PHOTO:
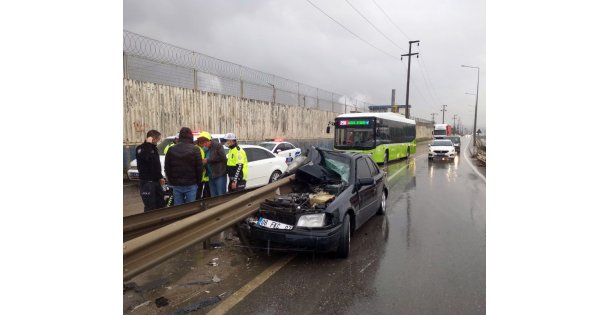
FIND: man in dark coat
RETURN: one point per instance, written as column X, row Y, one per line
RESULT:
column 151, row 179
column 184, row 167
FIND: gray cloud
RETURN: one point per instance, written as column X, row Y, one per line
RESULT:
column 294, row 40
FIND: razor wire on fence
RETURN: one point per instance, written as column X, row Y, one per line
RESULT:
column 150, row 60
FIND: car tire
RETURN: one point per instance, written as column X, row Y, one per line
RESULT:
column 274, row 176
column 344, row 241
column 382, row 209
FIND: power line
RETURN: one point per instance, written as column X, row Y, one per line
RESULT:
column 428, row 84
column 406, row 37
column 422, row 96
column 426, row 75
column 419, row 91
column 425, row 68
column 363, row 40
column 372, row 24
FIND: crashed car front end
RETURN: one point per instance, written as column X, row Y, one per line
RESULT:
column 307, row 218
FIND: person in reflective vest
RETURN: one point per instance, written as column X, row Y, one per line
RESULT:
column 236, row 164
column 170, row 145
column 203, row 185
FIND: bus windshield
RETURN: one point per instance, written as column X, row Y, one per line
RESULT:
column 354, row 138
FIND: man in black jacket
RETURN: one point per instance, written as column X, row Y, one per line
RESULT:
column 151, row 179
column 184, row 167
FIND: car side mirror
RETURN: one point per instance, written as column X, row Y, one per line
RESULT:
column 365, row 181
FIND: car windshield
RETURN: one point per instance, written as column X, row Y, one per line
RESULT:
column 336, row 163
column 268, row 145
column 441, row 143
column 456, row 140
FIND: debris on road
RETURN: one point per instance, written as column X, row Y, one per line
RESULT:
column 196, row 306
column 161, row 301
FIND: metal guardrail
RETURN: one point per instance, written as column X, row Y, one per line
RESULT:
column 140, row 224
column 150, row 249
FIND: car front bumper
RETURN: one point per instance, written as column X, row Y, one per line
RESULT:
column 319, row 240
column 442, row 156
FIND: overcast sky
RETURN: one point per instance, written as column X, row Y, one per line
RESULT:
column 295, row 40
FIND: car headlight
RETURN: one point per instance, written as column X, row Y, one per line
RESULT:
column 312, row 220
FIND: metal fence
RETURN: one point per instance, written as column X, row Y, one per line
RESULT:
column 150, row 60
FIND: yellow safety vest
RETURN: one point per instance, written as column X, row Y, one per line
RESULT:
column 167, row 148
column 205, row 176
column 238, row 156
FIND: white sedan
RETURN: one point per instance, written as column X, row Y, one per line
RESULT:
column 282, row 148
column 263, row 166
column 442, row 149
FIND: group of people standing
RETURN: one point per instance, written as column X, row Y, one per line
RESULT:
column 195, row 168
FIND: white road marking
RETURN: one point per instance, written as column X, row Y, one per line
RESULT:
column 370, row 263
column 239, row 295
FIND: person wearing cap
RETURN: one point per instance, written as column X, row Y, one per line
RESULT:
column 151, row 179
column 215, row 161
column 203, row 185
column 236, row 164
column 184, row 168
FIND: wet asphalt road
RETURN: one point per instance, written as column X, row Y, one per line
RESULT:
column 426, row 256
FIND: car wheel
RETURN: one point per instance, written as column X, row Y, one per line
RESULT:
column 274, row 176
column 344, row 241
column 382, row 209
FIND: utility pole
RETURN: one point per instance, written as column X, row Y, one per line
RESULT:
column 476, row 99
column 433, row 115
column 407, row 90
column 454, row 121
column 443, row 110
column 393, row 104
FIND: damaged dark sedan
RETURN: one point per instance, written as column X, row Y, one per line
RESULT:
column 334, row 193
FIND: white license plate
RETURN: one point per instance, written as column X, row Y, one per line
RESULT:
column 274, row 224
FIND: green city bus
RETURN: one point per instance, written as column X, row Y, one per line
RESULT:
column 385, row 136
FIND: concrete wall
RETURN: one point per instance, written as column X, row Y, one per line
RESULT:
column 424, row 131
column 167, row 109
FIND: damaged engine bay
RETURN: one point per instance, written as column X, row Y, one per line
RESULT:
column 313, row 191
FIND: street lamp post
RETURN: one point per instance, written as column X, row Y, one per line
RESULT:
column 476, row 100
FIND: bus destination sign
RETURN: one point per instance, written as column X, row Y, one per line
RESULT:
column 353, row 122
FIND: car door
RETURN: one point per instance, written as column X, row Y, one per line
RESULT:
column 289, row 151
column 255, row 166
column 281, row 150
column 366, row 192
column 378, row 182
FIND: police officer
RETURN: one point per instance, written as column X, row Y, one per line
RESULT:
column 236, row 164
column 150, row 177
